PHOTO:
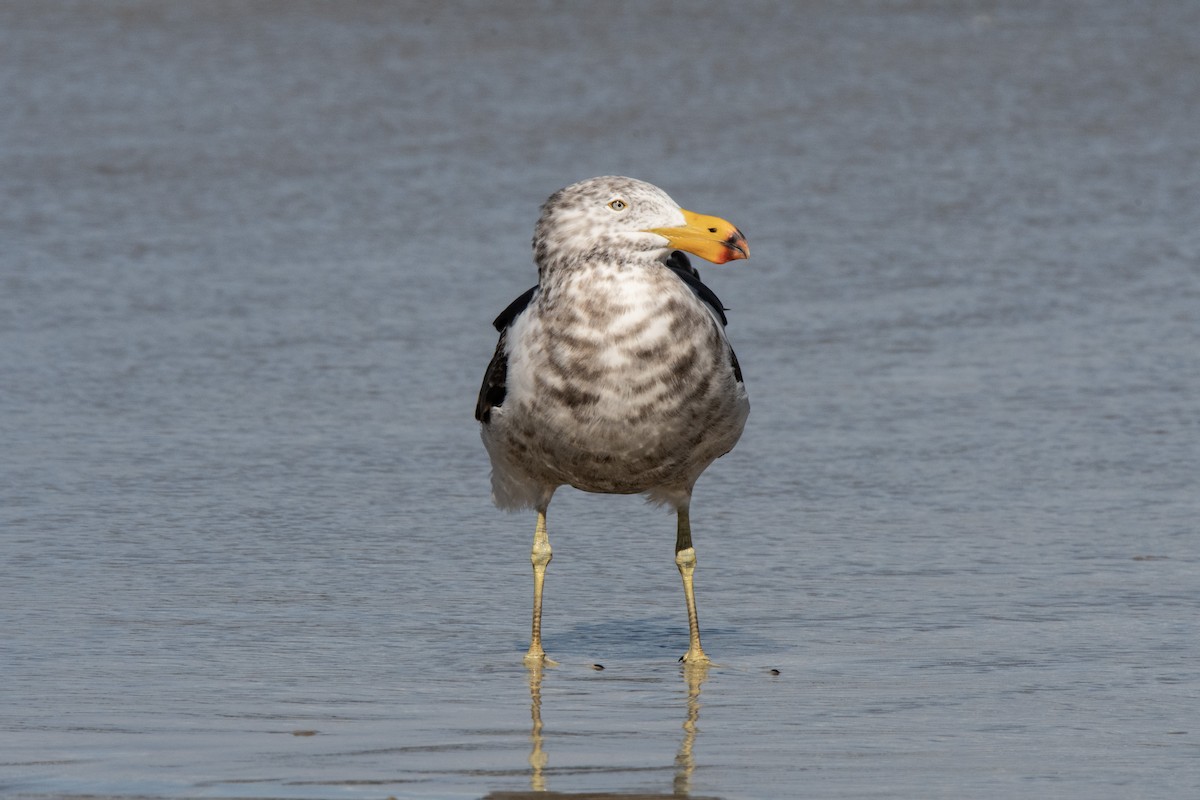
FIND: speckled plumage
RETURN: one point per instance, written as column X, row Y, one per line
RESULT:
column 617, row 376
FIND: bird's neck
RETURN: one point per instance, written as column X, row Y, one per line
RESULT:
column 595, row 291
column 595, row 263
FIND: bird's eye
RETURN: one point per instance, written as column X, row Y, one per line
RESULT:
column 618, row 204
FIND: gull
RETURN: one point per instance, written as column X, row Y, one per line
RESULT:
column 613, row 374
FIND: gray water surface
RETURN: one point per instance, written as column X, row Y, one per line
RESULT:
column 250, row 253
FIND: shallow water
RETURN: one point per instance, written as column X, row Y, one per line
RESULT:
column 250, row 256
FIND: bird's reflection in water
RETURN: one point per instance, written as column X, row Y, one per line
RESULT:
column 537, row 756
column 694, row 676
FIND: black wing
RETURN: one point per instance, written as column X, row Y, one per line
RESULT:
column 678, row 263
column 514, row 308
column 491, row 394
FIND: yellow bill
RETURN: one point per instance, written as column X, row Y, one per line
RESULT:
column 711, row 238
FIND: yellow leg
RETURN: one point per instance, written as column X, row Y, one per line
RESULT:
column 540, row 556
column 685, row 559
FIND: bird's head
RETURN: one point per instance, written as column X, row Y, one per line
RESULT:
column 623, row 215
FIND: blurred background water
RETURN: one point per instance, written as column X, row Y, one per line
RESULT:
column 250, row 252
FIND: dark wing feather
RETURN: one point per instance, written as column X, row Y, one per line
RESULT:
column 737, row 368
column 492, row 393
column 678, row 263
column 514, row 308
